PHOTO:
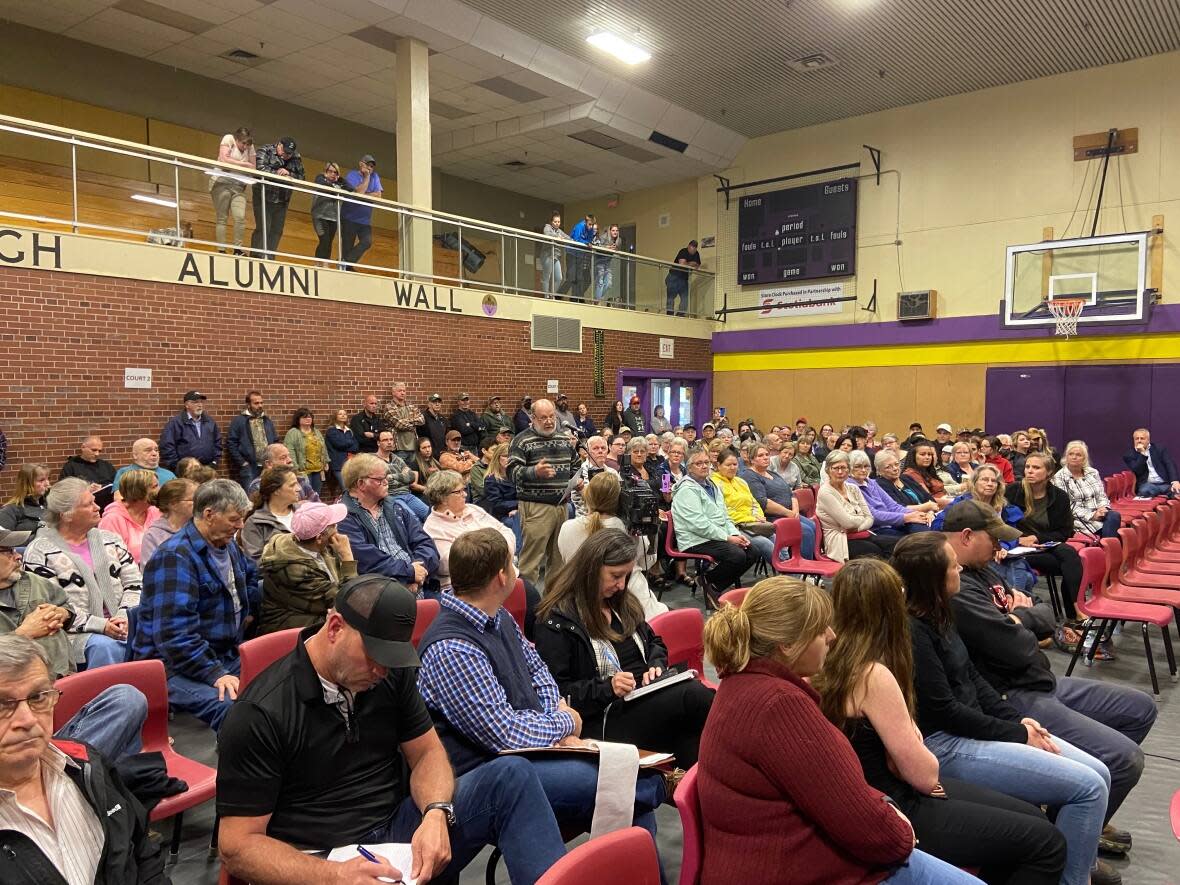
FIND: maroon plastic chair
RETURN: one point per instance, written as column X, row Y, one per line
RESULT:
column 1138, row 573
column 517, row 604
column 788, row 535
column 688, row 803
column 259, row 653
column 79, row 689
column 628, row 854
column 1174, row 814
column 428, row 610
column 1101, row 610
column 734, row 597
column 805, row 500
column 673, row 553
column 682, row 631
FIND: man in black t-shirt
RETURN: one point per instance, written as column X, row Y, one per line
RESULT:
column 677, row 280
column 314, row 752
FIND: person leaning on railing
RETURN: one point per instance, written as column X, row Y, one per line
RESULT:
column 270, row 200
column 229, row 192
column 326, row 211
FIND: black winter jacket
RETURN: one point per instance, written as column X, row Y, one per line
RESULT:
column 564, row 645
column 129, row 857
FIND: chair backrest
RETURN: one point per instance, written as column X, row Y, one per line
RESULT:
column 1112, row 550
column 670, row 537
column 1174, row 813
column 682, row 631
column 788, row 535
column 259, row 653
column 79, row 689
column 1094, row 574
column 688, row 803
column 604, row 859
column 735, row 597
column 1130, row 544
column 805, row 498
column 517, row 604
column 428, row 610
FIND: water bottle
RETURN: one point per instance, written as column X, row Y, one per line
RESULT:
column 1091, row 638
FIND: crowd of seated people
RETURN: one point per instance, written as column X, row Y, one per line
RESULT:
column 203, row 566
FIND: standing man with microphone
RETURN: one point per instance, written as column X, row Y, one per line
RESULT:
column 540, row 461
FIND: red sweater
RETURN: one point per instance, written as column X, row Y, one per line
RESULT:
column 783, row 796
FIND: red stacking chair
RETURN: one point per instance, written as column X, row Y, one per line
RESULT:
column 682, row 630
column 688, row 803
column 516, row 603
column 428, row 610
column 259, row 653
column 1100, row 610
column 1117, row 589
column 788, row 534
column 147, row 676
column 1154, row 549
column 673, row 553
column 628, row 855
column 1168, row 538
column 805, row 500
column 734, row 597
column 1174, row 813
column 1137, row 573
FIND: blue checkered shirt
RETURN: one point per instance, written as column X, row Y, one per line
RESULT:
column 457, row 681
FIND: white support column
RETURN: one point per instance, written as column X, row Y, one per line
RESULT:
column 414, row 186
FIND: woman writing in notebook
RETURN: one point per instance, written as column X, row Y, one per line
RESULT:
column 592, row 635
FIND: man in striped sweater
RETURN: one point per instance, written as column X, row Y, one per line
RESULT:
column 540, row 461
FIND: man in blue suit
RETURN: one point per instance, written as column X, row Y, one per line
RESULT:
column 1155, row 471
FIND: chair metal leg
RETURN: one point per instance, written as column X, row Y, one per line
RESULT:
column 1155, row 685
column 1086, row 628
column 489, row 875
column 1054, row 597
column 1168, row 650
column 1094, row 645
column 174, row 845
column 213, row 837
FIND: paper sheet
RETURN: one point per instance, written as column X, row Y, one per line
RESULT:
column 614, row 803
column 397, row 853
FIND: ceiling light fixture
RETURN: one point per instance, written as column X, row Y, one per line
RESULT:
column 625, row 52
column 158, row 201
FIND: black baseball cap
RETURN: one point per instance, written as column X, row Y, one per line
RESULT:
column 288, row 144
column 194, row 395
column 383, row 611
column 979, row 518
column 435, row 397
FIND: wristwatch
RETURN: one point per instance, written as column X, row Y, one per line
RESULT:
column 446, row 808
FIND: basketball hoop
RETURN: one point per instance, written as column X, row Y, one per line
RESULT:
column 1065, row 313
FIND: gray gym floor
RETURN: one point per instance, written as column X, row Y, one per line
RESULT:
column 1155, row 859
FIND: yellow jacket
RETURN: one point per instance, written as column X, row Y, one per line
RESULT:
column 739, row 500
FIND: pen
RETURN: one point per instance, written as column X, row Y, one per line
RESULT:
column 372, row 858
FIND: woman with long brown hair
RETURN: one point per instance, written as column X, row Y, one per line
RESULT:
column 782, row 795
column 598, row 646
column 25, row 510
column 866, row 689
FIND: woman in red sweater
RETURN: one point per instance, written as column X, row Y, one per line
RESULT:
column 783, row 796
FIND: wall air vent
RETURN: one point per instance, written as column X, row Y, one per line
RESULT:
column 557, row 333
column 672, row 144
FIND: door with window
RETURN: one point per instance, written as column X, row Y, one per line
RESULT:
column 682, row 394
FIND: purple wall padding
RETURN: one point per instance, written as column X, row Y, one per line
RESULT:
column 1100, row 404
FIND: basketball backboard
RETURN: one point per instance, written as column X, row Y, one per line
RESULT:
column 1108, row 272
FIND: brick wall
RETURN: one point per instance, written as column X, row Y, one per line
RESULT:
column 65, row 340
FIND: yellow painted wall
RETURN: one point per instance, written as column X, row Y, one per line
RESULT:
column 977, row 173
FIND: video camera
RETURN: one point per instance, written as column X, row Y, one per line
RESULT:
column 639, row 508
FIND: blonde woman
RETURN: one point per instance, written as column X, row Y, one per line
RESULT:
column 499, row 493
column 25, row 510
column 1087, row 496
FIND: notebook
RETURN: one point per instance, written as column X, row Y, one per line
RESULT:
column 647, row 758
column 397, row 853
column 660, row 683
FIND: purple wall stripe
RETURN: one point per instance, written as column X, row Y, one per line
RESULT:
column 1164, row 318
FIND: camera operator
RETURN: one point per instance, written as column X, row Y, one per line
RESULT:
column 601, row 498
column 597, row 451
column 637, row 469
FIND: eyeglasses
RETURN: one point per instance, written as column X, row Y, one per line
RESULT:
column 38, row 703
column 380, row 478
column 457, row 492
column 9, row 551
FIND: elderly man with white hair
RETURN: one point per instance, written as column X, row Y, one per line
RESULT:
column 94, row 567
column 200, row 592
column 540, row 463
column 145, row 455
column 597, row 452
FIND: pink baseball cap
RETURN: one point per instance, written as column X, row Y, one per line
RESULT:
column 310, row 520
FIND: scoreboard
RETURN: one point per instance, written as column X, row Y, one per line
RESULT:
column 803, row 233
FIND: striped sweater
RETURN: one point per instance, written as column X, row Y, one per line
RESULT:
column 528, row 449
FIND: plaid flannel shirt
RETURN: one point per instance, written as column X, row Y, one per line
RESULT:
column 1085, row 496
column 457, row 681
column 186, row 614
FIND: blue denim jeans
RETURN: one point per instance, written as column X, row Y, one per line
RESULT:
column 413, row 504
column 199, row 698
column 1151, row 489
column 923, row 869
column 499, row 803
column 111, row 723
column 101, row 650
column 1075, row 783
column 572, row 784
column 764, row 547
column 1105, row 720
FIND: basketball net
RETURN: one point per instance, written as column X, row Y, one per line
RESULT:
column 1065, row 313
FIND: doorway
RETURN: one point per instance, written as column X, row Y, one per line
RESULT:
column 685, row 396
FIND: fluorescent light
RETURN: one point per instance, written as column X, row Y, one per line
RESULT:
column 159, row 201
column 618, row 47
